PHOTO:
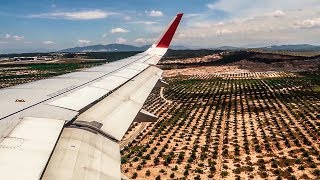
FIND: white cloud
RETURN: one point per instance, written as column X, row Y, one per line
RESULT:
column 3, row 42
column 83, row 42
column 140, row 41
column 154, row 13
column 203, row 25
column 144, row 22
column 118, row 30
column 145, row 41
column 262, row 29
column 221, row 32
column 48, row 42
column 120, row 40
column 127, row 18
column 211, row 6
column 17, row 38
column 13, row 37
column 76, row 15
column 245, row 23
column 181, row 35
column 7, row 36
column 278, row 13
column 191, row 15
column 242, row 9
column 309, row 23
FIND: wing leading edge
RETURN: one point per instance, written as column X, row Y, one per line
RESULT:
column 69, row 126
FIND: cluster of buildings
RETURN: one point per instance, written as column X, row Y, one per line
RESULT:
column 34, row 58
column 49, row 57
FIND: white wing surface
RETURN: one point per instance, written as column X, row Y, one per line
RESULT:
column 69, row 126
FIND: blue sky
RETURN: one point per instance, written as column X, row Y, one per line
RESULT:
column 58, row 24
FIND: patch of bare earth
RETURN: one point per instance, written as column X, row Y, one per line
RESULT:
column 203, row 70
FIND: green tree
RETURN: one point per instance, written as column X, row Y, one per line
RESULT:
column 148, row 173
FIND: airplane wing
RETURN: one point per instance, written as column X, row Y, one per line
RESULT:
column 69, row 126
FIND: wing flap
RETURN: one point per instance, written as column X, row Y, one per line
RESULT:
column 117, row 111
column 84, row 155
column 28, row 147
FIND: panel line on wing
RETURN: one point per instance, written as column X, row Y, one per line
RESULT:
column 71, row 89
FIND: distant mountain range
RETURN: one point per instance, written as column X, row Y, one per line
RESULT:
column 125, row 47
column 297, row 47
column 112, row 48
column 227, row 48
column 24, row 50
column 292, row 48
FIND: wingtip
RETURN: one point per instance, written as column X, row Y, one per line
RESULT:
column 167, row 37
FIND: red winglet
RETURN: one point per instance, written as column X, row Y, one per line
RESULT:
column 167, row 37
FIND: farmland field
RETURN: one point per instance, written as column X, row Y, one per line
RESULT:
column 11, row 75
column 235, row 125
column 232, row 115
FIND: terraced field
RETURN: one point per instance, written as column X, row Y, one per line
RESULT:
column 236, row 126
